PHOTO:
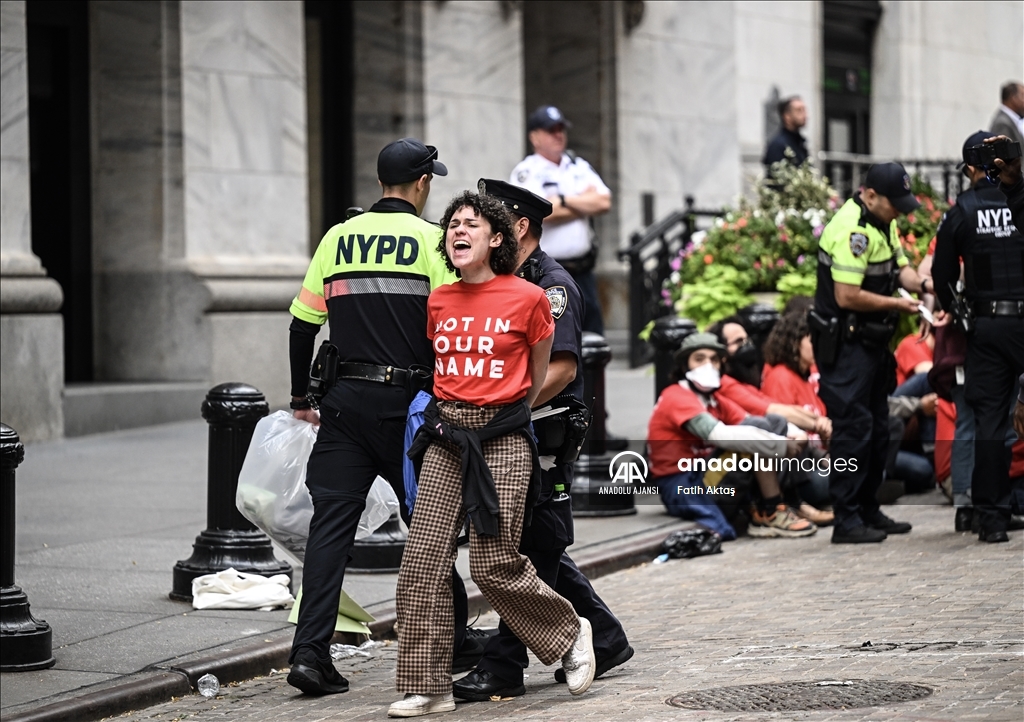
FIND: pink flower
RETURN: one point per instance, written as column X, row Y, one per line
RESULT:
column 675, row 263
column 757, row 265
column 800, row 260
column 741, row 223
column 780, row 263
column 666, row 294
column 783, row 237
column 818, row 230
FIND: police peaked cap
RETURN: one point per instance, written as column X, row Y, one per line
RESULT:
column 518, row 200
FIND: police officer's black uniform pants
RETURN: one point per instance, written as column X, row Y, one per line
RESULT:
column 855, row 391
column 995, row 359
column 362, row 427
column 505, row 656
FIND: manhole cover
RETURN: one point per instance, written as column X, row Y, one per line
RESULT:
column 791, row 696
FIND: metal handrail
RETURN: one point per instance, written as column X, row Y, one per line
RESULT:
column 649, row 254
column 940, row 172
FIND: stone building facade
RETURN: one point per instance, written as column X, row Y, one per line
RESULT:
column 167, row 165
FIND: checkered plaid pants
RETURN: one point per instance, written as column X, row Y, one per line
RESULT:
column 541, row 618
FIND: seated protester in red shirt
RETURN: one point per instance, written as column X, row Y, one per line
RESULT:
column 789, row 359
column 690, row 420
column 738, row 388
column 492, row 336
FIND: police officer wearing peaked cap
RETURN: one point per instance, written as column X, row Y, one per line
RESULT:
column 860, row 264
column 500, row 671
column 370, row 277
column 980, row 230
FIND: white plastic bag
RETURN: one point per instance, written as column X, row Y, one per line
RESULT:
column 231, row 589
column 272, row 490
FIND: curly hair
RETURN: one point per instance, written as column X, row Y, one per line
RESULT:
column 783, row 344
column 505, row 258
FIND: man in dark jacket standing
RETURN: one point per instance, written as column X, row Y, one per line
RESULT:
column 793, row 114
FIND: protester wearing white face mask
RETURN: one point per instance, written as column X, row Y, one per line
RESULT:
column 689, row 422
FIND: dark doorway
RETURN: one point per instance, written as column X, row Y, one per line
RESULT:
column 849, row 34
column 58, row 116
column 329, row 76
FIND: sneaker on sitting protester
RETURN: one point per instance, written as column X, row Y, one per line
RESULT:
column 819, row 517
column 417, row 705
column 782, row 522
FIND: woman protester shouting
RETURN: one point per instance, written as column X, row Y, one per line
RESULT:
column 492, row 334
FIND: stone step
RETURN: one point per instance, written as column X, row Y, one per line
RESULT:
column 93, row 408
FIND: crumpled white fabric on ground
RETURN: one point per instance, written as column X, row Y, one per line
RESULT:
column 231, row 589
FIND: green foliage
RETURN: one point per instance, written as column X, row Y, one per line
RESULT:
column 795, row 284
column 917, row 229
column 721, row 291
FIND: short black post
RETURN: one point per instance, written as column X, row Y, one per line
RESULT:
column 666, row 337
column 27, row 642
column 230, row 540
column 381, row 552
column 592, row 467
column 758, row 319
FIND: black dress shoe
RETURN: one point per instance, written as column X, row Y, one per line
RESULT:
column 472, row 649
column 881, row 522
column 604, row 664
column 993, row 536
column 964, row 517
column 316, row 677
column 1016, row 523
column 859, row 534
column 480, row 685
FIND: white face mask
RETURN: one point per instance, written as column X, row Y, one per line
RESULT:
column 705, row 378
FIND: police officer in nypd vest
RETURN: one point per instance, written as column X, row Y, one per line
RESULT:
column 979, row 229
column 860, row 265
column 544, row 540
column 370, row 278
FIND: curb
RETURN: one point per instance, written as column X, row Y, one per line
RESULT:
column 159, row 684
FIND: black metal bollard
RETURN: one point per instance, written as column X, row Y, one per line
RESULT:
column 592, row 467
column 758, row 319
column 27, row 642
column 229, row 540
column 381, row 551
column 666, row 337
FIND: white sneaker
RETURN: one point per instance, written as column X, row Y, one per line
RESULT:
column 579, row 662
column 416, row 705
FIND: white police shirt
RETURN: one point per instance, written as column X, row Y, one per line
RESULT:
column 538, row 175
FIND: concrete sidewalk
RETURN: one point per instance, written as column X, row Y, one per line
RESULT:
column 102, row 521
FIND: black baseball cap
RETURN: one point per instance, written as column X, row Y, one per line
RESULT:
column 976, row 138
column 518, row 200
column 891, row 180
column 546, row 117
column 405, row 160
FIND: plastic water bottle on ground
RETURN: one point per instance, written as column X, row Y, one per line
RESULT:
column 208, row 685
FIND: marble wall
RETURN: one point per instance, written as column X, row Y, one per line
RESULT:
column 678, row 126
column 244, row 129
column 473, row 93
column 31, row 332
column 778, row 45
column 15, row 216
column 938, row 68
column 200, row 196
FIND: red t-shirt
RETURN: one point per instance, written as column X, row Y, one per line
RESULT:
column 909, row 354
column 747, row 397
column 788, row 387
column 668, row 440
column 482, row 334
